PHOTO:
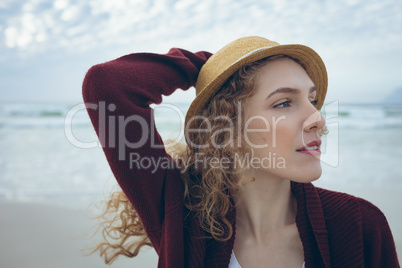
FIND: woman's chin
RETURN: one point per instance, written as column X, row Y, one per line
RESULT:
column 308, row 176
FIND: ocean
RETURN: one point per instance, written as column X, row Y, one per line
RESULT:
column 51, row 149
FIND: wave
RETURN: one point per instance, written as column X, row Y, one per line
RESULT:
column 352, row 123
column 33, row 110
column 170, row 116
column 31, row 193
column 41, row 123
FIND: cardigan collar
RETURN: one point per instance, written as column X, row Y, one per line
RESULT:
column 310, row 223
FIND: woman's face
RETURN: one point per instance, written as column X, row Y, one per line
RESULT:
column 280, row 120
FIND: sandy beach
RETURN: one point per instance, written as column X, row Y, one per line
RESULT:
column 41, row 235
column 48, row 234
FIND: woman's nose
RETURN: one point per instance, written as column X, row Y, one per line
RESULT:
column 314, row 122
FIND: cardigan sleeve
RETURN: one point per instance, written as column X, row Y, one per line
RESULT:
column 379, row 245
column 117, row 95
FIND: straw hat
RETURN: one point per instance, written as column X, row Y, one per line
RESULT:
column 240, row 52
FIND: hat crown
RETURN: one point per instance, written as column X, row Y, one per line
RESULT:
column 227, row 56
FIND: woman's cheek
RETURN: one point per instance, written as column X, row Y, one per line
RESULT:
column 259, row 131
column 284, row 136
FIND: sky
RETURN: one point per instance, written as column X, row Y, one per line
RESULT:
column 46, row 47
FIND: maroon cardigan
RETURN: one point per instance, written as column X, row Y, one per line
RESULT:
column 336, row 229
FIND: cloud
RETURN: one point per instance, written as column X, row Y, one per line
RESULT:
column 352, row 30
column 41, row 25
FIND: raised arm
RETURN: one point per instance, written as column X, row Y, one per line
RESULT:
column 117, row 95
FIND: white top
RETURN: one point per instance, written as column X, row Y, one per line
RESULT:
column 235, row 264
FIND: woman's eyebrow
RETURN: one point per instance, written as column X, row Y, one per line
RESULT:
column 289, row 90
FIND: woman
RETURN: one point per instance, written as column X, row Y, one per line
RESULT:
column 239, row 193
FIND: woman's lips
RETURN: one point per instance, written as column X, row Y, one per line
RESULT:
column 312, row 148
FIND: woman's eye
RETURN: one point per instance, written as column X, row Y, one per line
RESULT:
column 314, row 102
column 283, row 104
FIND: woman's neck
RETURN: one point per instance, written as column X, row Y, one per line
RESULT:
column 264, row 207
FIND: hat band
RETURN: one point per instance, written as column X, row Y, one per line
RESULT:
column 250, row 53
